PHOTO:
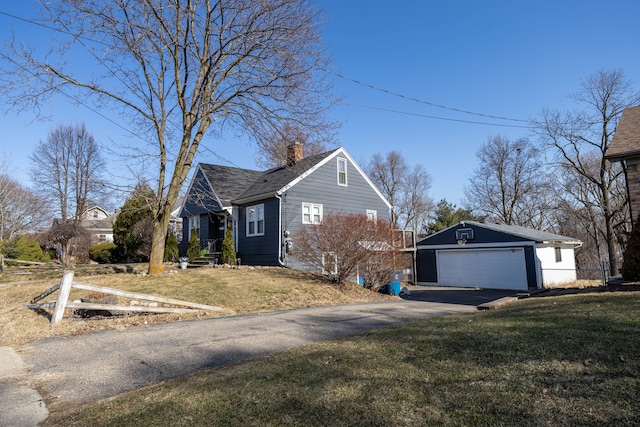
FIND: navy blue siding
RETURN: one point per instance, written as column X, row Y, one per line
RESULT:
column 260, row 250
column 481, row 235
column 426, row 266
column 186, row 233
column 200, row 198
column 426, row 258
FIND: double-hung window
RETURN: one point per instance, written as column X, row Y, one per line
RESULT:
column 194, row 224
column 255, row 220
column 342, row 171
column 372, row 215
column 311, row 213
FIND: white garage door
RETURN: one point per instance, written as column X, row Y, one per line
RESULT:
column 500, row 268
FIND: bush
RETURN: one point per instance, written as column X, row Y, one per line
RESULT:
column 228, row 249
column 30, row 250
column 193, row 250
column 103, row 253
column 343, row 243
column 631, row 266
column 171, row 253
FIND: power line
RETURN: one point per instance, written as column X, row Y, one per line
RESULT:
column 436, row 117
column 409, row 98
column 48, row 27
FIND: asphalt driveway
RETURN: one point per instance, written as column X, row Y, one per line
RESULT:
column 462, row 296
column 85, row 368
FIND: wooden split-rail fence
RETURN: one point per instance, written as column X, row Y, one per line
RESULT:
column 67, row 284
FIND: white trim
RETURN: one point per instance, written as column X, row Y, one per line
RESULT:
column 193, row 178
column 259, row 208
column 344, row 153
column 374, row 215
column 335, row 263
column 311, row 206
column 479, row 245
column 339, row 161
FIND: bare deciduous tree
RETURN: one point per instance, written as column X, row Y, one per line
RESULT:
column 66, row 169
column 404, row 187
column 177, row 68
column 510, row 185
column 579, row 141
column 342, row 243
column 21, row 210
column 273, row 150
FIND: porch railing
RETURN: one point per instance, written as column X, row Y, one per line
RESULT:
column 211, row 245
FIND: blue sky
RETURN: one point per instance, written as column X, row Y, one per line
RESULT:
column 496, row 58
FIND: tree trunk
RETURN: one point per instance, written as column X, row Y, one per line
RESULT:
column 160, row 228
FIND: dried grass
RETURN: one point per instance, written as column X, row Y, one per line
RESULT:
column 236, row 290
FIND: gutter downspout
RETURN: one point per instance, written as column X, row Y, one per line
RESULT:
column 280, row 261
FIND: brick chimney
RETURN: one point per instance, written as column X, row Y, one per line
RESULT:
column 295, row 153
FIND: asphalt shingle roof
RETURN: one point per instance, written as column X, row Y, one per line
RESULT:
column 231, row 183
column 527, row 233
column 626, row 140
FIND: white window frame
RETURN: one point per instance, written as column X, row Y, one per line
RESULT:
column 311, row 217
column 194, row 224
column 330, row 257
column 342, row 161
column 372, row 215
column 259, row 217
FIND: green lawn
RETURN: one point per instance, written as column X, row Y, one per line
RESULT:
column 570, row 360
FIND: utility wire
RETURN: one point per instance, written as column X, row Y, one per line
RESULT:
column 32, row 22
column 409, row 98
column 436, row 117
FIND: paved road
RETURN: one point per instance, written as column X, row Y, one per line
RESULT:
column 85, row 368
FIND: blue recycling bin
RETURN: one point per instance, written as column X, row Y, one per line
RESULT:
column 393, row 287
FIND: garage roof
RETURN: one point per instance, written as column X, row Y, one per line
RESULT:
column 528, row 233
column 519, row 233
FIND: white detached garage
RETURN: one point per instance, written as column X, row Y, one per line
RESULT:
column 495, row 256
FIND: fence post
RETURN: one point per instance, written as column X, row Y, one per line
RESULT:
column 63, row 296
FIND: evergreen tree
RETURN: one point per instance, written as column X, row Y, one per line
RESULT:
column 171, row 248
column 130, row 231
column 193, row 250
column 228, row 249
column 448, row 214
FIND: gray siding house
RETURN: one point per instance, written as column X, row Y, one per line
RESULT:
column 264, row 210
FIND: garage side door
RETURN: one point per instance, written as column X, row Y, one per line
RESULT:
column 500, row 268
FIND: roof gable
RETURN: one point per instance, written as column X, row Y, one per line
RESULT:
column 271, row 182
column 333, row 154
column 230, row 185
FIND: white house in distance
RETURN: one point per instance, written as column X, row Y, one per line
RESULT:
column 495, row 256
column 99, row 223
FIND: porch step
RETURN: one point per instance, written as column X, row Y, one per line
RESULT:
column 206, row 261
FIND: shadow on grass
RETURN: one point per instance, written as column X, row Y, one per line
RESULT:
column 571, row 360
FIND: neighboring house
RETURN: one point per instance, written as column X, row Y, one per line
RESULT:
column 99, row 223
column 265, row 209
column 625, row 148
column 495, row 256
